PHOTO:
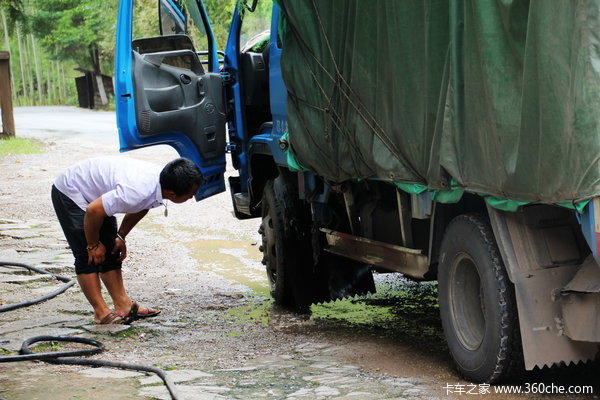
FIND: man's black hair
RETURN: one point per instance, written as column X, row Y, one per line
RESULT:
column 180, row 175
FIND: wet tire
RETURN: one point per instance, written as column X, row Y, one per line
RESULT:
column 477, row 303
column 286, row 249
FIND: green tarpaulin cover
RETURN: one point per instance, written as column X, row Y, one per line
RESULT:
column 497, row 97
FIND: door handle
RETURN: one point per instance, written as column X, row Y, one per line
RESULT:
column 185, row 79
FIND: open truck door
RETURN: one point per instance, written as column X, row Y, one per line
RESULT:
column 165, row 94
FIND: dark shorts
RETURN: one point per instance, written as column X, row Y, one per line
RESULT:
column 70, row 217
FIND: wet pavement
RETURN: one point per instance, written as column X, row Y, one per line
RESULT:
column 307, row 371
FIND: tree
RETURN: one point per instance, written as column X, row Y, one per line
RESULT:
column 13, row 10
column 75, row 30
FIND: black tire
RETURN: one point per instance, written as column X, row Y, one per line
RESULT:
column 286, row 248
column 477, row 303
column 296, row 280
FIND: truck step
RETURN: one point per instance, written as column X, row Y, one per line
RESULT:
column 242, row 202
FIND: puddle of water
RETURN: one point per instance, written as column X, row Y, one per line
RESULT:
column 234, row 257
column 400, row 309
column 237, row 260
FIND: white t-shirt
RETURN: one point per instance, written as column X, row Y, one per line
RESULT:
column 125, row 184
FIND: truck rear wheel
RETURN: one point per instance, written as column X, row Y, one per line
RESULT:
column 477, row 303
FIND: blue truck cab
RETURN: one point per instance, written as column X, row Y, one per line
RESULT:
column 516, row 289
column 173, row 91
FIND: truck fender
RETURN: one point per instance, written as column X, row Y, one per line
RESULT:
column 538, row 274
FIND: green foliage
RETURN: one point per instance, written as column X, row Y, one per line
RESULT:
column 14, row 12
column 47, row 347
column 258, row 313
column 145, row 18
column 19, row 146
column 256, row 22
column 69, row 35
column 74, row 29
column 220, row 13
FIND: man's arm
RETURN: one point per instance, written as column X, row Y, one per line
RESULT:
column 129, row 221
column 92, row 221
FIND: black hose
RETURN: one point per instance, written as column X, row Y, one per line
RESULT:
column 27, row 354
column 69, row 282
column 60, row 357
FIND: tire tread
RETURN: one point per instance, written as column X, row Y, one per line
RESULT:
column 509, row 358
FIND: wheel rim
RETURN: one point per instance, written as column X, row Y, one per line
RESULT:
column 270, row 252
column 467, row 302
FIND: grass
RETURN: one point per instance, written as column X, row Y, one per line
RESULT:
column 131, row 333
column 251, row 314
column 47, row 348
column 165, row 367
column 19, row 146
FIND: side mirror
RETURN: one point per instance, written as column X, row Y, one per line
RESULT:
column 251, row 6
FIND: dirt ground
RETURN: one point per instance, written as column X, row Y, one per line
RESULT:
column 219, row 334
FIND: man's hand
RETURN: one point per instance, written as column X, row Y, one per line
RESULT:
column 120, row 246
column 92, row 221
column 97, row 254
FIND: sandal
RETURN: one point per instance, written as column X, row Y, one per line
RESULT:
column 130, row 317
column 111, row 318
column 144, row 312
column 137, row 312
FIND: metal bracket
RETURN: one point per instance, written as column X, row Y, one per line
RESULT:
column 231, row 147
column 227, row 78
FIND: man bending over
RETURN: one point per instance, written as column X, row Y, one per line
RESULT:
column 87, row 195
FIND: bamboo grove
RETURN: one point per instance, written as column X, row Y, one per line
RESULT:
column 36, row 78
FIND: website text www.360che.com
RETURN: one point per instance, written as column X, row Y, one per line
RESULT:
column 526, row 388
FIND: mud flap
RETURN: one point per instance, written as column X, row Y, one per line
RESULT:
column 339, row 277
column 347, row 278
column 332, row 278
column 538, row 292
column 580, row 304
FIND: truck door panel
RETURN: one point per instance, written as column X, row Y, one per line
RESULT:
column 173, row 93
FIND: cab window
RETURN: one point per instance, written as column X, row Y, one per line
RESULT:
column 172, row 20
column 195, row 25
column 254, row 34
column 145, row 17
column 171, row 17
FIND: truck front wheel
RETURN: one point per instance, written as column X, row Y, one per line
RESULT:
column 286, row 249
column 477, row 303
